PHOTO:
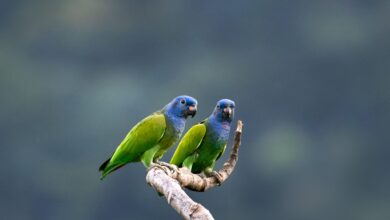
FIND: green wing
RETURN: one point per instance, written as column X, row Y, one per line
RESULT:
column 191, row 140
column 220, row 154
column 143, row 136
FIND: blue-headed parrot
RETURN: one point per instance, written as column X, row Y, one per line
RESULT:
column 148, row 140
column 205, row 142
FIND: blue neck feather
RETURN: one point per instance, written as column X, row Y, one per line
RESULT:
column 220, row 128
column 174, row 118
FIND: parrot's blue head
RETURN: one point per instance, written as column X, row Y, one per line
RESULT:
column 182, row 107
column 224, row 110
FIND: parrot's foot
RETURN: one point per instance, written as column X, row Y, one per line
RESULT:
column 166, row 167
column 202, row 175
column 148, row 164
column 151, row 165
column 170, row 166
column 218, row 176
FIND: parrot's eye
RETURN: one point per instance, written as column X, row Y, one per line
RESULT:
column 218, row 106
column 183, row 101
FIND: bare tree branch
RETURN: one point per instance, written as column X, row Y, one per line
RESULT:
column 169, row 181
column 175, row 195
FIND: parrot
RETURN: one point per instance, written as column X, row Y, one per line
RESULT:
column 148, row 140
column 205, row 142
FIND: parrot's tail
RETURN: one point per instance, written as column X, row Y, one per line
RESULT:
column 106, row 168
column 104, row 164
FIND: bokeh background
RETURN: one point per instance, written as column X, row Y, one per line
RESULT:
column 310, row 80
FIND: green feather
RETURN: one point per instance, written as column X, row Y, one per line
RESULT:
column 188, row 144
column 220, row 154
column 142, row 137
column 198, row 151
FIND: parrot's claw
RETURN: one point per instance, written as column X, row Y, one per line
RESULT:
column 162, row 163
column 218, row 176
column 170, row 166
column 202, row 175
column 164, row 168
column 156, row 164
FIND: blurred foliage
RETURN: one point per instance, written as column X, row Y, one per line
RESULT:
column 310, row 80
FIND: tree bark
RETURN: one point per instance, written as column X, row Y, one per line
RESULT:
column 169, row 181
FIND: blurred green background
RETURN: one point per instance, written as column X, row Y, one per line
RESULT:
column 310, row 80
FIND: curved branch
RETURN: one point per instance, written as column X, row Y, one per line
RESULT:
column 168, row 180
column 175, row 195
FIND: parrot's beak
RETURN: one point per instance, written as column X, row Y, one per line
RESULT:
column 191, row 111
column 227, row 112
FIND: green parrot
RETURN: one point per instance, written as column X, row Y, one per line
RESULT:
column 148, row 140
column 205, row 142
